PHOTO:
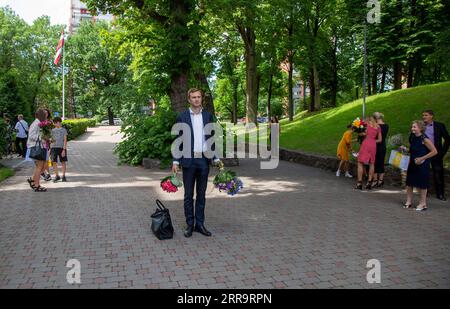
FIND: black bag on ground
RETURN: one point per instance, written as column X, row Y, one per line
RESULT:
column 161, row 223
column 37, row 152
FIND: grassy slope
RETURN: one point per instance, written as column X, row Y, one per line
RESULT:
column 321, row 133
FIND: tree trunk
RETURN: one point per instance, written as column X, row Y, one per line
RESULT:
column 437, row 73
column 410, row 79
column 305, row 105
column 258, row 87
column 179, row 33
column 316, row 88
column 374, row 78
column 178, row 92
column 418, row 73
column 290, row 89
column 235, row 83
column 208, row 103
column 42, row 70
column 249, row 38
column 334, row 75
column 71, row 97
column 269, row 97
column 412, row 29
column 397, row 75
column 312, row 92
column 383, row 79
column 110, row 116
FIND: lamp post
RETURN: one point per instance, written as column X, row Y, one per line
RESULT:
column 365, row 71
column 373, row 17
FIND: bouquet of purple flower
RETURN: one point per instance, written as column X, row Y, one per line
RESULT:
column 227, row 181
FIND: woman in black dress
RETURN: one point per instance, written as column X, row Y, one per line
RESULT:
column 418, row 174
column 381, row 151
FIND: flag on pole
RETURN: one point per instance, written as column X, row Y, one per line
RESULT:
column 59, row 49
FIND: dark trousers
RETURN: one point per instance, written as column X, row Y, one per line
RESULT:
column 195, row 176
column 21, row 146
column 437, row 165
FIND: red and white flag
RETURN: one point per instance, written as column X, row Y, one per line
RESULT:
column 59, row 49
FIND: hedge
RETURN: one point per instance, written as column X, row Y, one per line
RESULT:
column 77, row 127
column 3, row 133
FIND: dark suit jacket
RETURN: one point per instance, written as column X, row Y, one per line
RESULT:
column 185, row 117
column 441, row 133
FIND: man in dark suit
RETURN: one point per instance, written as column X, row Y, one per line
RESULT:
column 437, row 132
column 195, row 164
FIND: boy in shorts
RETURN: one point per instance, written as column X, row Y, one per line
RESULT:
column 59, row 148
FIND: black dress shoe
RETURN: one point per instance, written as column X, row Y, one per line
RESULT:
column 188, row 231
column 202, row 230
column 442, row 197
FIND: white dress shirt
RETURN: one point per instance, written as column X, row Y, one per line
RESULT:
column 199, row 136
column 197, row 127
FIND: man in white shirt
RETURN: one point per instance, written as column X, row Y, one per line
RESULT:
column 196, row 166
column 21, row 136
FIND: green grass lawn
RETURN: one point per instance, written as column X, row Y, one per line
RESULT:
column 321, row 132
column 5, row 173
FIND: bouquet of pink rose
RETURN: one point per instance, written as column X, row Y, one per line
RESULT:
column 171, row 183
column 227, row 181
column 46, row 127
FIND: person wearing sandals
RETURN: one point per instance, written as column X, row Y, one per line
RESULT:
column 34, row 135
column 368, row 151
column 418, row 173
column 380, row 156
column 46, row 172
column 343, row 152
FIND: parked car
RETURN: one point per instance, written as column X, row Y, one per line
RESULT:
column 262, row 119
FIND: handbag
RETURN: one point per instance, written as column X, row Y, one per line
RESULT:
column 161, row 222
column 37, row 152
column 399, row 160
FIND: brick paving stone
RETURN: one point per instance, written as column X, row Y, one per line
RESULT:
column 102, row 218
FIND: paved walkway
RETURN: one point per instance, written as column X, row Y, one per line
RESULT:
column 296, row 227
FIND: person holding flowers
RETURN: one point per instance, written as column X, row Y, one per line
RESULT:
column 195, row 165
column 37, row 136
column 422, row 150
column 343, row 152
column 368, row 150
column 47, row 132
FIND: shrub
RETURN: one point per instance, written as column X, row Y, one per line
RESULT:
column 76, row 127
column 3, row 134
column 98, row 118
column 92, row 122
column 147, row 137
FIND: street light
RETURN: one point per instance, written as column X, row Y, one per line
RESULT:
column 373, row 17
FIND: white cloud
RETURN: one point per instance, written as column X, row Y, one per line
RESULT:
column 29, row 10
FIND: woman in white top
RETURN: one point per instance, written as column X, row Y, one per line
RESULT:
column 34, row 134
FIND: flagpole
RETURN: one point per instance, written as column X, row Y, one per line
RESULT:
column 63, row 69
column 365, row 71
